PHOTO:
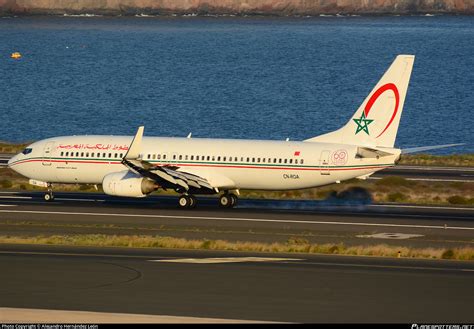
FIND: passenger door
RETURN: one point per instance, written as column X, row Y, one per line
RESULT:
column 48, row 149
column 324, row 168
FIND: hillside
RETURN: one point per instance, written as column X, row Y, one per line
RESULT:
column 235, row 7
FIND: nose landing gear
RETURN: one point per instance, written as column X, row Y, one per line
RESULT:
column 49, row 196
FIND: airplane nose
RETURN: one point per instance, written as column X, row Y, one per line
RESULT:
column 12, row 160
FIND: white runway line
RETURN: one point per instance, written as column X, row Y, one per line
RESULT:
column 396, row 236
column 237, row 219
column 88, row 200
column 223, row 260
column 15, row 197
column 8, row 205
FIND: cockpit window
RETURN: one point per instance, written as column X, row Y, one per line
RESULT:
column 26, row 151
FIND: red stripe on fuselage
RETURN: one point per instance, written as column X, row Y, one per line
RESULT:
column 208, row 165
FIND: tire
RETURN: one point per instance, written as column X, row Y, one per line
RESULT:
column 184, row 201
column 192, row 201
column 48, row 197
column 234, row 200
column 225, row 201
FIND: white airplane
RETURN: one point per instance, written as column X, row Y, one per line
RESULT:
column 136, row 166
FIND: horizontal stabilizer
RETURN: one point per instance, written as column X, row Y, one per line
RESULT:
column 367, row 152
column 427, row 148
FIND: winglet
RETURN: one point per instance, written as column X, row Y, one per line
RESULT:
column 135, row 147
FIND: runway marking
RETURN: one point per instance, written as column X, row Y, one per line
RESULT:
column 283, row 261
column 237, row 219
column 8, row 205
column 397, row 236
column 88, row 200
column 15, row 197
column 419, row 207
column 223, row 260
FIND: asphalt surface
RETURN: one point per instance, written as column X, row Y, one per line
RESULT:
column 251, row 286
column 295, row 288
column 26, row 214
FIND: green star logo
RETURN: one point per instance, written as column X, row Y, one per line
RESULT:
column 362, row 124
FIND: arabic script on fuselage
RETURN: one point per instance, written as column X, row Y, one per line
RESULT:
column 111, row 147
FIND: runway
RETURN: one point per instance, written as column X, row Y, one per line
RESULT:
column 230, row 286
column 26, row 214
column 256, row 287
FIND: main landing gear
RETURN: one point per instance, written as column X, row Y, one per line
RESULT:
column 228, row 200
column 49, row 196
column 187, row 201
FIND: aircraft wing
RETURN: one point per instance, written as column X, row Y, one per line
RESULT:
column 168, row 177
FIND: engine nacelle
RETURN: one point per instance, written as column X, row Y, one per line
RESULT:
column 128, row 184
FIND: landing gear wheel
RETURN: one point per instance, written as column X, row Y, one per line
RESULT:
column 184, row 201
column 49, row 197
column 192, row 201
column 234, row 200
column 227, row 200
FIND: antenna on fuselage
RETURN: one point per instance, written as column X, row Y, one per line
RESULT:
column 189, row 136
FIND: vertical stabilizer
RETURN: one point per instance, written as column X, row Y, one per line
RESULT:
column 375, row 123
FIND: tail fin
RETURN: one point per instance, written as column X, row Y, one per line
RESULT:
column 376, row 121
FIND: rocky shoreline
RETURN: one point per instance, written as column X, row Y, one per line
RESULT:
column 234, row 7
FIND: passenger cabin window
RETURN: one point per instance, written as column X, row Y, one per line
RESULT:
column 180, row 157
column 62, row 153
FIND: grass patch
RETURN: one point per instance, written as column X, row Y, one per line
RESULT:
column 457, row 199
column 293, row 245
column 6, row 147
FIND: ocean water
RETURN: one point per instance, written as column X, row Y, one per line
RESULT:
column 252, row 78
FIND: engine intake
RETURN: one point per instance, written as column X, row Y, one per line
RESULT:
column 128, row 184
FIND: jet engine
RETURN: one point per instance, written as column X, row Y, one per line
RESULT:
column 128, row 184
